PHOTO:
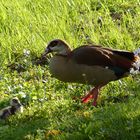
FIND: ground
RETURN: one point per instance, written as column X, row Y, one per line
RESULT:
column 52, row 109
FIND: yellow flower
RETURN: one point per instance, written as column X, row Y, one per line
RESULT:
column 52, row 133
column 86, row 114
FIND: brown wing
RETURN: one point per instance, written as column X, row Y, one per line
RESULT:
column 92, row 56
column 102, row 56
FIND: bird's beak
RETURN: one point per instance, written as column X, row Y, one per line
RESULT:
column 19, row 105
column 47, row 50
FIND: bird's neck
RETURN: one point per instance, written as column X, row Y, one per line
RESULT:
column 13, row 109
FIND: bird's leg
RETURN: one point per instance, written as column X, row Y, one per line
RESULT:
column 93, row 94
column 88, row 96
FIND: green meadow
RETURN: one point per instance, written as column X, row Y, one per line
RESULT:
column 53, row 109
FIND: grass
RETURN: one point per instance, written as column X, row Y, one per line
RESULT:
column 50, row 110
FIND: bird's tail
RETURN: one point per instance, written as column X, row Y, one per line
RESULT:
column 136, row 64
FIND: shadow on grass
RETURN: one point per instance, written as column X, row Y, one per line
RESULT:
column 23, row 128
column 119, row 121
column 23, row 62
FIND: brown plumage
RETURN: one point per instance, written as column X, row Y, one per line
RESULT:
column 89, row 64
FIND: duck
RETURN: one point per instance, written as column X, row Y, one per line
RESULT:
column 15, row 106
column 90, row 64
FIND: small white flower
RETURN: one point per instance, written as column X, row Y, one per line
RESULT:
column 23, row 95
column 137, row 52
column 26, row 52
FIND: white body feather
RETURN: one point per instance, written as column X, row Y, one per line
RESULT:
column 136, row 65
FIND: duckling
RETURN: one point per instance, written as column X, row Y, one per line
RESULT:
column 15, row 106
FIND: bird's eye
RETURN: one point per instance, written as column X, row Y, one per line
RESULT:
column 15, row 101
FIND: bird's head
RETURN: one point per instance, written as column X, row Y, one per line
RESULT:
column 15, row 102
column 58, row 46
